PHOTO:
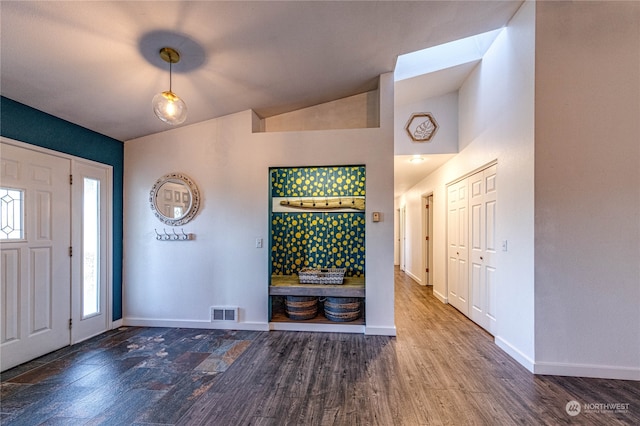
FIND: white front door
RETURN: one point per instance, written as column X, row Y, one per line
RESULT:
column 482, row 206
column 90, row 276
column 35, row 238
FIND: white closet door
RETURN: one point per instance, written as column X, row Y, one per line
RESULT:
column 482, row 206
column 35, row 240
column 458, row 246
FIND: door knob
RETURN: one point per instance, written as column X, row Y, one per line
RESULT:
column 481, row 258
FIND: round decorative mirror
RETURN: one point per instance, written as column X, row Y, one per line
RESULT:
column 174, row 199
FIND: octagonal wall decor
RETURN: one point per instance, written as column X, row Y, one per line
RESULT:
column 421, row 127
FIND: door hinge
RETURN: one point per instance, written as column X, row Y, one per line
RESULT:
column 426, row 238
column 70, row 179
column 426, row 206
column 427, row 270
column 70, row 251
column 70, row 323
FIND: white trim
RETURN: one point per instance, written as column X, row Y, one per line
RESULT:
column 413, row 277
column 440, row 296
column 60, row 154
column 380, row 331
column 116, row 324
column 515, row 353
column 427, row 231
column 322, row 328
column 473, row 172
column 85, row 338
column 218, row 325
column 103, row 173
column 110, row 247
column 587, row 370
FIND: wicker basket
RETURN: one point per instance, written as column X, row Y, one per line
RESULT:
column 321, row 276
column 342, row 309
column 301, row 307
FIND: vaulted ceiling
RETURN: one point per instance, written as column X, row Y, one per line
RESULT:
column 96, row 64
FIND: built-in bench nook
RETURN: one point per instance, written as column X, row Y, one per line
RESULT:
column 317, row 220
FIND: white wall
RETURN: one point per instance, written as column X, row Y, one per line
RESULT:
column 496, row 121
column 444, row 109
column 354, row 112
column 175, row 283
column 587, row 189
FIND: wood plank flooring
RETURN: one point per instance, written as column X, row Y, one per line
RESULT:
column 440, row 369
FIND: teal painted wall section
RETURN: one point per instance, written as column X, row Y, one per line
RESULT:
column 25, row 124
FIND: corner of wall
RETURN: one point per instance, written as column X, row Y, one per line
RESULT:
column 257, row 123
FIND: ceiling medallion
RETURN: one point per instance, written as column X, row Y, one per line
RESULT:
column 421, row 127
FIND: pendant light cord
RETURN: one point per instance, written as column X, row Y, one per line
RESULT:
column 170, row 74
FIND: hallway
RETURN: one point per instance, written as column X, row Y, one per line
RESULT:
column 440, row 369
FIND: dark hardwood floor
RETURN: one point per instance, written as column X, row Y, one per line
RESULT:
column 440, row 369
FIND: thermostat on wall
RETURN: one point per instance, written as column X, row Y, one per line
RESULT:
column 376, row 216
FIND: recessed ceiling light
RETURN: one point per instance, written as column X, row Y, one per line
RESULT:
column 416, row 159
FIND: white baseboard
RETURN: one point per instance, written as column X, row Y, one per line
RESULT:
column 380, row 331
column 567, row 369
column 217, row 325
column 116, row 324
column 413, row 277
column 440, row 296
column 586, row 370
column 514, row 353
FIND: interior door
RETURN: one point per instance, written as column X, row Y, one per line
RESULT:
column 35, row 237
column 428, row 239
column 403, row 238
column 482, row 206
column 90, row 277
column 458, row 246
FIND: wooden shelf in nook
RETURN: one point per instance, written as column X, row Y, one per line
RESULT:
column 288, row 285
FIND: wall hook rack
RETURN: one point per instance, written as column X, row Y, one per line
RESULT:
column 173, row 236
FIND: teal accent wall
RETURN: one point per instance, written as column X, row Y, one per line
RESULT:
column 25, row 124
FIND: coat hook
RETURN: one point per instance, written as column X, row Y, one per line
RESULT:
column 173, row 235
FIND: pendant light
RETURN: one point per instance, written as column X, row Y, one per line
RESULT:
column 167, row 106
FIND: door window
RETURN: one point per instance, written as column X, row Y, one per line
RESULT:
column 11, row 214
column 90, row 247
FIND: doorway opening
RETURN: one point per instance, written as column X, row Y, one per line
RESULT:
column 427, row 240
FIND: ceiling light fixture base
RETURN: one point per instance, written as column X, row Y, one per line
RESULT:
column 170, row 55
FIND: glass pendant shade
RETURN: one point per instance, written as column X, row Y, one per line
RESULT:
column 169, row 108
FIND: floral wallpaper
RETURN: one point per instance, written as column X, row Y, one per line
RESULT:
column 318, row 239
column 342, row 181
